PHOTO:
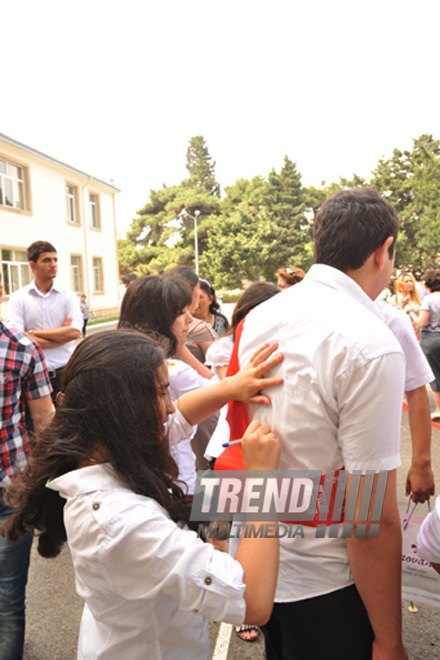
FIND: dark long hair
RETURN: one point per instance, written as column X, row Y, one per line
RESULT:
column 254, row 295
column 152, row 303
column 210, row 291
column 110, row 404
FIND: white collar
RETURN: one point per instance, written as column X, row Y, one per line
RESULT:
column 55, row 287
column 101, row 476
column 336, row 279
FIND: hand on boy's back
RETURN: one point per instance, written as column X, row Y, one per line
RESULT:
column 251, row 379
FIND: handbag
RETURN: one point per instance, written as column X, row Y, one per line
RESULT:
column 420, row 582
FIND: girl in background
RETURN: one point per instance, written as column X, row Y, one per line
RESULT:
column 208, row 309
column 406, row 295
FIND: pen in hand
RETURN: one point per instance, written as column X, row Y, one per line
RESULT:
column 232, row 443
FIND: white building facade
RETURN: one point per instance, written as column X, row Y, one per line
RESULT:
column 44, row 199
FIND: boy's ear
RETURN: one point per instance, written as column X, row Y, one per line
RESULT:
column 381, row 256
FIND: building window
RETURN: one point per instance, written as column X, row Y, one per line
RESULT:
column 72, row 204
column 16, row 270
column 95, row 211
column 12, row 192
column 98, row 276
column 76, row 271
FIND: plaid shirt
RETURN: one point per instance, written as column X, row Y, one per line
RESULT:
column 22, row 373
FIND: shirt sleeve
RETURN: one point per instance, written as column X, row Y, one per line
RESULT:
column 15, row 319
column 74, row 310
column 417, row 369
column 178, row 428
column 219, row 353
column 37, row 383
column 201, row 332
column 370, row 416
column 161, row 558
column 426, row 306
column 184, row 378
column 428, row 539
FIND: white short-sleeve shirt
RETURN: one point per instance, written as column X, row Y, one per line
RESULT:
column 30, row 308
column 428, row 538
column 184, row 378
column 417, row 369
column 339, row 406
column 149, row 585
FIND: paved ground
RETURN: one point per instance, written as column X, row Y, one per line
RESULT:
column 54, row 610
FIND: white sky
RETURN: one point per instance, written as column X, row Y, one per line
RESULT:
column 117, row 89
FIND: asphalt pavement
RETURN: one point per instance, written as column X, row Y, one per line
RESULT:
column 54, row 609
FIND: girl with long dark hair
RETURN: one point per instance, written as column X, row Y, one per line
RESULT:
column 102, row 478
column 158, row 305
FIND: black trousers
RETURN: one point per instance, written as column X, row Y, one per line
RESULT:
column 330, row 627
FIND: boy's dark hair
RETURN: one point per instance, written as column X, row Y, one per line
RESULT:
column 351, row 225
column 152, row 304
column 131, row 277
column 432, row 279
column 183, row 272
column 110, row 404
column 35, row 249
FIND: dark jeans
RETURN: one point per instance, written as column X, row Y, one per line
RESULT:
column 333, row 626
column 14, row 564
column 430, row 344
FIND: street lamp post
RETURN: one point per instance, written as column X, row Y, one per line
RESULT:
column 194, row 217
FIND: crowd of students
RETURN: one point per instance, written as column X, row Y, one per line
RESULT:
column 114, row 472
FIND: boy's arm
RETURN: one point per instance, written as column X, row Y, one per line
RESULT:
column 42, row 411
column 420, row 479
column 376, row 567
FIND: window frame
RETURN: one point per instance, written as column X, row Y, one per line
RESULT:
column 76, row 209
column 76, row 255
column 97, row 206
column 24, row 181
column 7, row 280
column 97, row 291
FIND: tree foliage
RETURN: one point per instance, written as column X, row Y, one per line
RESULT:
column 161, row 236
column 410, row 181
column 264, row 223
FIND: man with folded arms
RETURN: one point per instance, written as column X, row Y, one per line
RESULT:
column 47, row 311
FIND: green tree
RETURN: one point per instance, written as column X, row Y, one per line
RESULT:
column 288, row 242
column 201, row 167
column 162, row 235
column 235, row 239
column 410, row 181
column 426, row 189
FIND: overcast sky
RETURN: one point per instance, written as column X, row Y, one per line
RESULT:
column 117, row 89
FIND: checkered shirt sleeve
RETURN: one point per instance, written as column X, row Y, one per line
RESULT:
column 23, row 373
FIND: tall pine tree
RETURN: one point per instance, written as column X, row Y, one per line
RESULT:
column 161, row 236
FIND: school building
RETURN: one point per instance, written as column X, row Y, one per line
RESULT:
column 42, row 198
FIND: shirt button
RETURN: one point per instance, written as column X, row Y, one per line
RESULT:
column 95, row 506
column 208, row 580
